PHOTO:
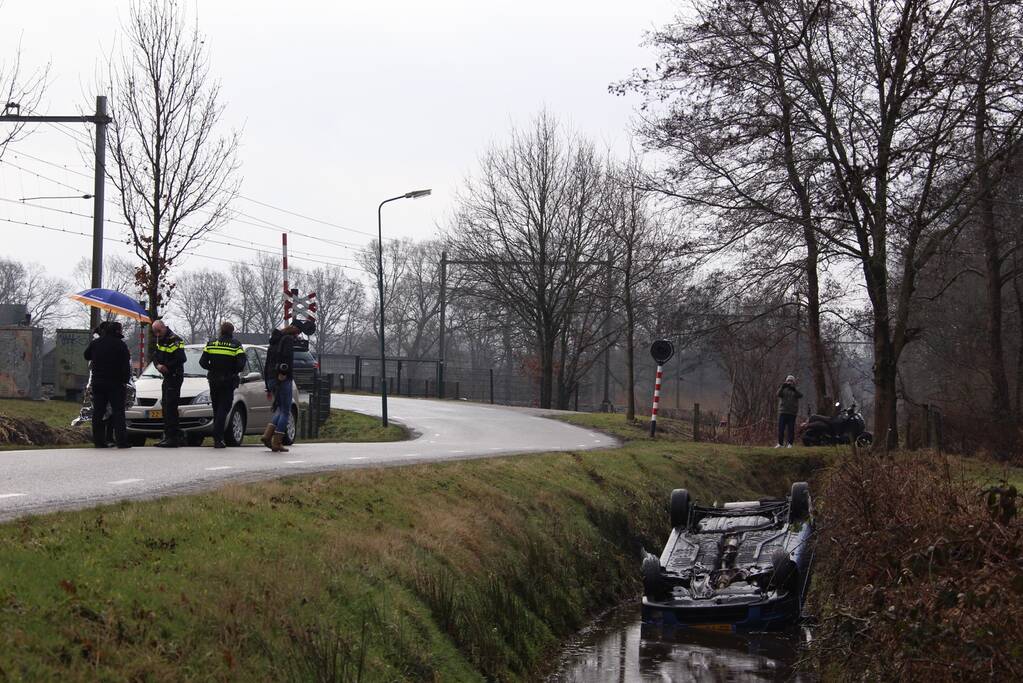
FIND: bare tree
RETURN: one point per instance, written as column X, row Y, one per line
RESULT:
column 44, row 296
column 175, row 175
column 202, row 300
column 259, row 289
column 530, row 222
column 20, row 93
column 340, row 303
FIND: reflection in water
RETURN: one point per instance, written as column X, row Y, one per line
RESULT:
column 619, row 648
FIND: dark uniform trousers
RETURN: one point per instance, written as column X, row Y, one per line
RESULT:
column 222, row 396
column 103, row 395
column 170, row 398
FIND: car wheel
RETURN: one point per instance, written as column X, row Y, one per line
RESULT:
column 799, row 502
column 234, row 432
column 679, row 508
column 785, row 570
column 865, row 440
column 653, row 584
column 137, row 439
column 291, row 433
column 194, row 439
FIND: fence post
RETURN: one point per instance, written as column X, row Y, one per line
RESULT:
column 456, row 390
column 372, row 384
column 696, row 422
column 491, row 386
column 357, row 380
column 399, row 379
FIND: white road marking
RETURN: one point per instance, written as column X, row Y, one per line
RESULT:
column 222, row 467
column 124, row 481
column 12, row 495
column 458, row 451
column 582, row 445
column 411, row 455
column 293, row 462
column 357, row 457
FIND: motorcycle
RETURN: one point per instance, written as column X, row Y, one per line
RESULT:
column 846, row 426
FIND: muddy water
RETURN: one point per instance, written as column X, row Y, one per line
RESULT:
column 618, row 647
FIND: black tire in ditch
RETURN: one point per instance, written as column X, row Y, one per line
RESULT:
column 679, row 508
column 653, row 585
column 799, row 502
column 785, row 571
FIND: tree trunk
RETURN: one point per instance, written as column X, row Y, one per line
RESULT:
column 813, row 317
column 992, row 259
column 630, row 340
column 886, row 428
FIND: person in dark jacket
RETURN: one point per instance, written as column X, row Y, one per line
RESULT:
column 788, row 408
column 278, row 376
column 111, row 371
column 169, row 360
column 223, row 358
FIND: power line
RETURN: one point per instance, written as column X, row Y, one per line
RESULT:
column 309, row 256
column 351, row 245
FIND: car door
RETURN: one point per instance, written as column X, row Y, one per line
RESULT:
column 259, row 405
column 254, row 391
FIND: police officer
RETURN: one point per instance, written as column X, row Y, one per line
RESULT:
column 223, row 358
column 169, row 360
column 111, row 371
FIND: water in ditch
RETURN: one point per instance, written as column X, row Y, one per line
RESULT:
column 617, row 647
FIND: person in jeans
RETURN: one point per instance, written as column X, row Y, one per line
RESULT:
column 788, row 408
column 278, row 376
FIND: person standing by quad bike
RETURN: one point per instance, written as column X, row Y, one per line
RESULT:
column 788, row 408
column 278, row 375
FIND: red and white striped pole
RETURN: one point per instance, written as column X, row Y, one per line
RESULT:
column 657, row 399
column 287, row 290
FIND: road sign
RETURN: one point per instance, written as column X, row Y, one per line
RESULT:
column 662, row 350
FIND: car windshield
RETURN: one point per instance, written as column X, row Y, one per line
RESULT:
column 192, row 367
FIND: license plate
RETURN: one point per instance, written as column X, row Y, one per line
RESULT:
column 726, row 628
column 154, row 414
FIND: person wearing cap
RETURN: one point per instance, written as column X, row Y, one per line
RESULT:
column 111, row 371
column 788, row 408
column 169, row 360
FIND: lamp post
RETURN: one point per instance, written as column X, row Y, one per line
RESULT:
column 415, row 194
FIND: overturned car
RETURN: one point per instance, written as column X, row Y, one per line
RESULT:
column 744, row 566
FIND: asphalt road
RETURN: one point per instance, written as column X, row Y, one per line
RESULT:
column 36, row 481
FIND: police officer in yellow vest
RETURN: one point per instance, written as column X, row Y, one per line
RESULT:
column 169, row 360
column 223, row 358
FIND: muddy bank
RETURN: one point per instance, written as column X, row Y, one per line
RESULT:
column 27, row 431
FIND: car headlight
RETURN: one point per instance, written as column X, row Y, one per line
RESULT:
column 202, row 397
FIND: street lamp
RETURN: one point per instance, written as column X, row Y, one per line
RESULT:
column 414, row 194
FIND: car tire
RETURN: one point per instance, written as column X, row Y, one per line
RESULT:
column 799, row 502
column 234, row 430
column 193, row 439
column 292, row 432
column 137, row 439
column 679, row 508
column 653, row 583
column 785, row 570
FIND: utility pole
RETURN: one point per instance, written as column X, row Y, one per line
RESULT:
column 443, row 311
column 100, row 119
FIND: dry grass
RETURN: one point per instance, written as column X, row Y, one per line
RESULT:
column 920, row 572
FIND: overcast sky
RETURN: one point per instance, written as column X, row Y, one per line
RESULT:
column 340, row 105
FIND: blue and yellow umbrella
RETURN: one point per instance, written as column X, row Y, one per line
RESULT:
column 114, row 302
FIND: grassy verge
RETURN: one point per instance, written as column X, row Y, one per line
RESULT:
column 344, row 425
column 52, row 413
column 465, row 570
column 920, row 572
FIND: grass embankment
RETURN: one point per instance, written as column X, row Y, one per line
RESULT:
column 344, row 425
column 25, row 423
column 920, row 572
column 455, row 571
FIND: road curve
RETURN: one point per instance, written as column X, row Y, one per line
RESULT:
column 37, row 481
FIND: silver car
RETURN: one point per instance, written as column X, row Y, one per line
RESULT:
column 249, row 415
